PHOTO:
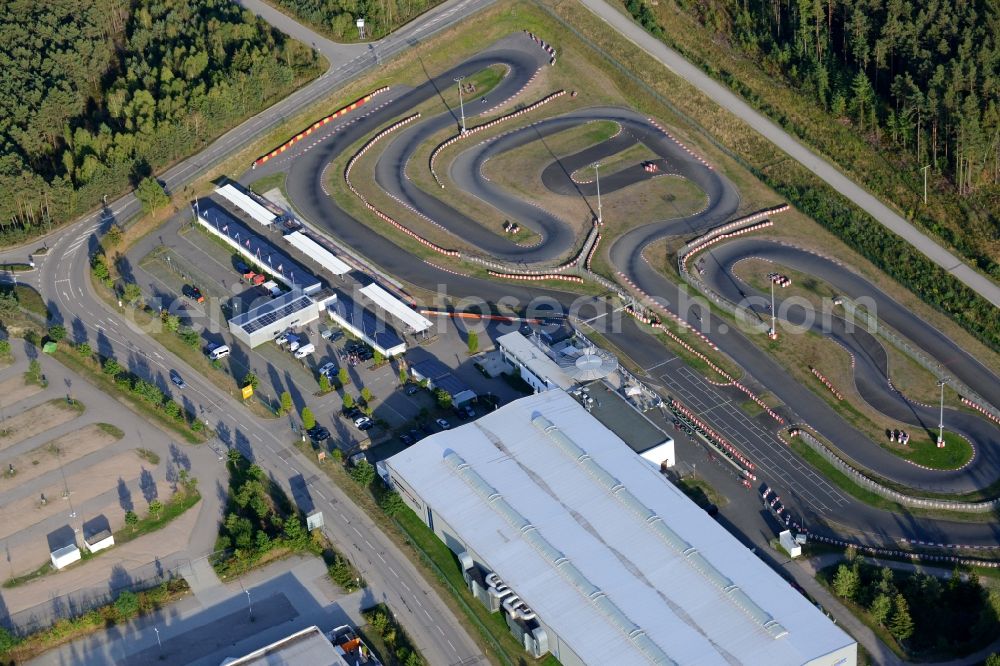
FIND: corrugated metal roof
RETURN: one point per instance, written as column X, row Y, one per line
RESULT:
column 396, row 308
column 247, row 204
column 534, row 359
column 564, row 508
column 317, row 253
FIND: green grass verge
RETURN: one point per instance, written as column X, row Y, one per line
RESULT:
column 149, row 456
column 701, row 492
column 924, row 451
column 88, row 368
column 117, row 433
column 66, row 630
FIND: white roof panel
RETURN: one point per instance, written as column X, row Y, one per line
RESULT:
column 247, row 204
column 396, row 308
column 658, row 559
column 317, row 253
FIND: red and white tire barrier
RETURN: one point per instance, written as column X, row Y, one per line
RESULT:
column 592, row 251
column 982, row 410
column 715, row 437
column 315, row 126
column 682, row 146
column 548, row 49
column 721, row 237
column 347, row 179
column 770, row 412
column 659, row 326
column 827, row 383
column 536, row 276
column 485, row 126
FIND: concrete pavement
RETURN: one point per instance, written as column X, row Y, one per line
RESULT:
column 725, row 98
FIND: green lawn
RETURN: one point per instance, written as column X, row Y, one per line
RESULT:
column 924, row 451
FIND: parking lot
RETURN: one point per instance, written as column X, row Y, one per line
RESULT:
column 181, row 257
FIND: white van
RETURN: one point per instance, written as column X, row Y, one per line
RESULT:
column 216, row 353
column 305, row 350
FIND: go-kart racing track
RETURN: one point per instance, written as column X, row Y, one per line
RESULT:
column 820, row 506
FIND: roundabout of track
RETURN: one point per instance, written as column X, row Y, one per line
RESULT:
column 305, row 187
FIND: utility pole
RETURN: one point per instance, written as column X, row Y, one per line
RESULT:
column 773, row 333
column 461, row 103
column 597, row 179
column 940, row 442
column 924, row 169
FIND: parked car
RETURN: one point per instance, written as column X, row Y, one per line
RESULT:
column 332, row 334
column 468, row 411
column 352, row 413
column 318, row 433
column 285, row 338
column 367, row 425
column 176, row 378
column 363, row 423
column 406, row 439
column 416, row 435
column 294, row 342
column 329, row 369
column 411, row 389
column 305, row 350
column 444, row 425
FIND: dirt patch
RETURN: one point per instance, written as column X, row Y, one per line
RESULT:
column 46, row 457
column 36, row 420
column 15, row 390
column 85, row 485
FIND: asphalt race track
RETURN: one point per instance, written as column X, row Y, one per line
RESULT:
column 806, row 492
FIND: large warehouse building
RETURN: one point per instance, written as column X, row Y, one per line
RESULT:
column 593, row 556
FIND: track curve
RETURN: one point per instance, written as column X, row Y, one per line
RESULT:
column 305, row 187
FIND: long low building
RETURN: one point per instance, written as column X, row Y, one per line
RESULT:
column 263, row 323
column 220, row 223
column 363, row 323
column 594, row 556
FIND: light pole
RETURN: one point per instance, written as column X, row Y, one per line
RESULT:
column 773, row 333
column 461, row 103
column 940, row 442
column 597, row 179
column 924, row 169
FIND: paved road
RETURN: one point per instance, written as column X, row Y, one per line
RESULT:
column 725, row 98
column 811, row 495
column 63, row 281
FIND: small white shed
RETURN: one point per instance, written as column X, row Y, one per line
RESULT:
column 65, row 556
column 99, row 541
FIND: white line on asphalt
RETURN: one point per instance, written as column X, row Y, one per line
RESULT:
column 405, row 585
column 291, row 468
column 343, row 516
column 320, row 493
column 270, row 448
column 259, row 438
column 394, row 572
column 438, row 627
column 355, row 530
column 380, row 557
column 426, row 613
column 369, row 544
column 451, row 646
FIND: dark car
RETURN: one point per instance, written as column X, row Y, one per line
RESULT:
column 416, row 435
column 712, row 510
column 176, row 378
column 367, row 424
column 411, row 389
column 318, row 433
column 352, row 413
column 406, row 439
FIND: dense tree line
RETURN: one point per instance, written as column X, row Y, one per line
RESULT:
column 922, row 76
column 336, row 18
column 97, row 94
column 927, row 615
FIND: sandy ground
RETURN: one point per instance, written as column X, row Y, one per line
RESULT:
column 85, row 485
column 36, row 420
column 95, row 573
column 42, row 459
column 14, row 390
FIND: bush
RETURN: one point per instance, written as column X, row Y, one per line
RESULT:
column 324, row 384
column 4, row 347
column 348, row 401
column 131, row 294
column 151, row 194
column 189, row 336
column 286, row 402
column 57, row 333
column 443, row 398
column 363, row 473
column 378, row 358
column 391, row 503
column 473, row 342
column 251, row 379
column 366, row 394
column 127, row 605
column 84, row 350
column 403, row 376
column 308, row 420
column 343, row 377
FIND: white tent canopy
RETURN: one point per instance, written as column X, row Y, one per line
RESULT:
column 247, row 204
column 317, row 253
column 398, row 309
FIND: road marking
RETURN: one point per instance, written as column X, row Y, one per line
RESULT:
column 259, row 438
column 369, row 544
column 438, row 627
column 405, row 585
column 380, row 557
column 344, row 517
column 355, row 530
column 320, row 493
column 451, row 646
column 270, row 448
column 395, row 574
column 426, row 613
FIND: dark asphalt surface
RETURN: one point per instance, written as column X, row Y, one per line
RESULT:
column 806, row 492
